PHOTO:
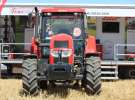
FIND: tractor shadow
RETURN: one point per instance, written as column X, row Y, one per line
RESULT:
column 57, row 91
column 62, row 91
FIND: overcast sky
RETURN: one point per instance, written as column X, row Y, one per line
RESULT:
column 75, row 1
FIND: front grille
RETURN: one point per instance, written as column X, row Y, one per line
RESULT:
column 61, row 44
column 65, row 60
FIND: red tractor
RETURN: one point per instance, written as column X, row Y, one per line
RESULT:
column 61, row 52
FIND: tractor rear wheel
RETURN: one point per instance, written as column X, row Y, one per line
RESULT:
column 29, row 76
column 92, row 79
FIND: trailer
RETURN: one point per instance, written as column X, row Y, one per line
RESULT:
column 117, row 42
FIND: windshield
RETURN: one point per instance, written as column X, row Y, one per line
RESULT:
column 62, row 24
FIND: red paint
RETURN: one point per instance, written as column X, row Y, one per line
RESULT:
column 110, row 18
column 3, row 2
column 63, row 10
column 130, row 55
column 62, row 37
column 11, row 56
column 34, row 48
column 90, row 45
column 99, row 48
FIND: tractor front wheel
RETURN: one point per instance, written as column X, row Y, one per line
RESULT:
column 92, row 77
column 29, row 76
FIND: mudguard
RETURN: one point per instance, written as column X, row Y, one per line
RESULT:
column 90, row 47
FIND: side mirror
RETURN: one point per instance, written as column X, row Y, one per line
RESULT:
column 36, row 10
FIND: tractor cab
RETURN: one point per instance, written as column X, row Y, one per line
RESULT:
column 63, row 21
column 57, row 21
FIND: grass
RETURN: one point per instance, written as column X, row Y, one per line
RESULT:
column 10, row 89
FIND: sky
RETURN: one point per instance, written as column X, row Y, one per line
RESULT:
column 75, row 1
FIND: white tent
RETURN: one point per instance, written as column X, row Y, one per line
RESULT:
column 120, row 10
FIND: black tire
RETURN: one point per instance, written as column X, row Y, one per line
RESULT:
column 92, row 79
column 29, row 77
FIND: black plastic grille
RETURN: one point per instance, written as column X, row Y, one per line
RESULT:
column 65, row 60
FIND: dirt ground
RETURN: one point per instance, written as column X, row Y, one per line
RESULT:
column 10, row 89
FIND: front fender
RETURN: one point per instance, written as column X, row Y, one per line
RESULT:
column 90, row 47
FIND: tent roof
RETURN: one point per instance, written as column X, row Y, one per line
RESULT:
column 122, row 8
column 75, row 1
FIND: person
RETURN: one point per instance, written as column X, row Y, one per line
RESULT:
column 49, row 31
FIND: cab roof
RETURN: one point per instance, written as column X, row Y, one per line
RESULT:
column 81, row 10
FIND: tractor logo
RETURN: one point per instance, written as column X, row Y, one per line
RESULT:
column 2, row 4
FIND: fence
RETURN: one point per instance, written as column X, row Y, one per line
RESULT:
column 12, row 49
column 117, row 54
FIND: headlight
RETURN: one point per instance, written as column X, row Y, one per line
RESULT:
column 54, row 53
column 65, row 52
